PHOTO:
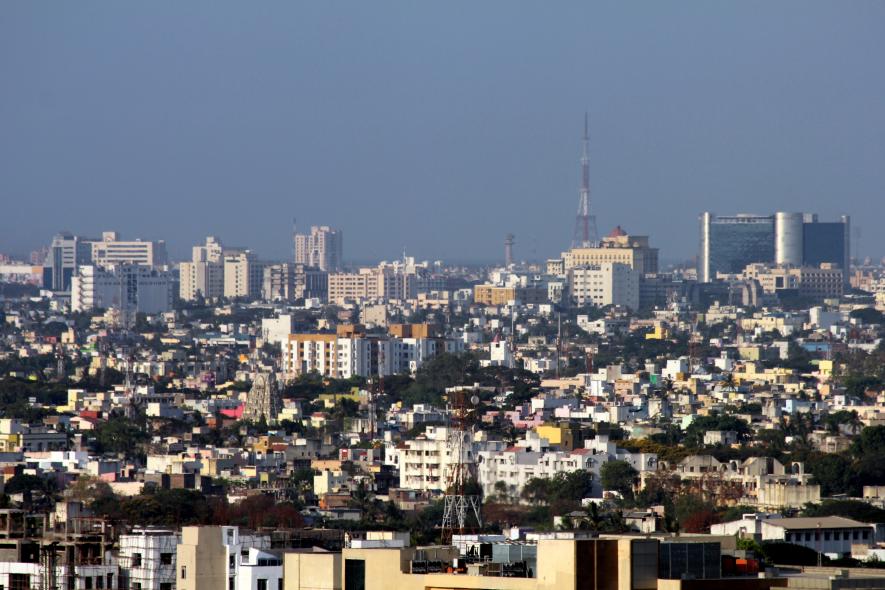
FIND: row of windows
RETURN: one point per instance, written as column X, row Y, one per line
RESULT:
column 828, row 535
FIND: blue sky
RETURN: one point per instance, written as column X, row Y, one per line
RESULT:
column 435, row 127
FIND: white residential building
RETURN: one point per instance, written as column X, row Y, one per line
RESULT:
column 147, row 559
column 425, row 462
column 111, row 251
column 134, row 288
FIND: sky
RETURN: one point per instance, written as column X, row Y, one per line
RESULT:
column 435, row 128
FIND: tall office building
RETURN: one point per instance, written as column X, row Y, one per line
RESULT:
column 617, row 247
column 131, row 288
column 112, row 250
column 827, row 242
column 322, row 247
column 729, row 243
column 66, row 254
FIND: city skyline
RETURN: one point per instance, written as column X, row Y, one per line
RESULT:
column 232, row 122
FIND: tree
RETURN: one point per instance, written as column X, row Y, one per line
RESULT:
column 25, row 483
column 834, row 473
column 619, row 476
column 853, row 509
column 89, row 489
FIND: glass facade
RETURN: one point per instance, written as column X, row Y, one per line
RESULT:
column 824, row 242
column 735, row 242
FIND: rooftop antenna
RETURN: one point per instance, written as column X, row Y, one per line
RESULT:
column 585, row 235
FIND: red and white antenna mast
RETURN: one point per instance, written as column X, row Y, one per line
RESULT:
column 585, row 224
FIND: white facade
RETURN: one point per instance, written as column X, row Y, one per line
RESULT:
column 605, row 284
column 259, row 570
column 147, row 559
column 135, row 288
column 425, row 462
column 277, row 330
column 112, row 251
column 348, row 356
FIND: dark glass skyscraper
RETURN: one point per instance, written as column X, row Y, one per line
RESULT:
column 826, row 241
column 728, row 244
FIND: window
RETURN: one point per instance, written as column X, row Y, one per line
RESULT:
column 87, row 582
column 99, row 583
column 136, row 560
column 354, row 574
column 855, row 535
column 230, row 583
column 110, row 581
column 279, row 584
column 165, row 585
column 232, row 561
column 184, row 572
column 826, row 535
column 262, row 583
column 20, row 582
column 166, row 559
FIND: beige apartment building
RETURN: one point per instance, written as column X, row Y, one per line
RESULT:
column 616, row 248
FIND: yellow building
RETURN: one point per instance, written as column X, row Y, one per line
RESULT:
column 495, row 295
column 617, row 247
column 562, row 564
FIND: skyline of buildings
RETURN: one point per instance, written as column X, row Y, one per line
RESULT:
column 729, row 243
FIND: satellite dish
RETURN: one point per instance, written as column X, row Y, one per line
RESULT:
column 474, row 400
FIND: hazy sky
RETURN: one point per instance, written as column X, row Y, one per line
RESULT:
column 438, row 127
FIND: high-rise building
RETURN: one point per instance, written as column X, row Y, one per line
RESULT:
column 827, row 242
column 605, row 284
column 322, row 247
column 243, row 275
column 131, row 288
column 617, row 247
column 203, row 276
column 66, row 254
column 112, row 250
column 729, row 243
column 288, row 282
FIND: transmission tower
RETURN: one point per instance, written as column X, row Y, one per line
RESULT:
column 585, row 224
column 461, row 512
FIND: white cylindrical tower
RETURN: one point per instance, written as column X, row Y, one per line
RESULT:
column 788, row 238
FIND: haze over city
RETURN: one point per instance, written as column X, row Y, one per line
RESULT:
column 435, row 128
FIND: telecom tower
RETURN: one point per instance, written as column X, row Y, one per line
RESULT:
column 461, row 511
column 585, row 224
column 508, row 250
